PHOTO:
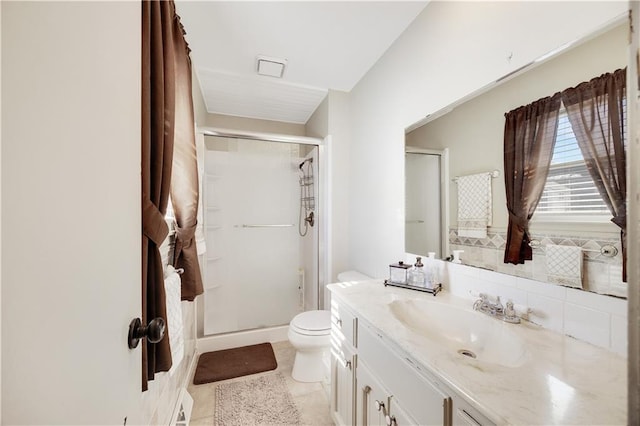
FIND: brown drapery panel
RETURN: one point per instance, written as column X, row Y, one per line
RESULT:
column 158, row 106
column 167, row 123
column 529, row 138
column 184, row 180
column 596, row 113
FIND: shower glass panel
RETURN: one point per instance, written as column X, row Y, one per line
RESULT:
column 255, row 273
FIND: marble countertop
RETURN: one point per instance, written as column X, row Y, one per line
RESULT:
column 562, row 381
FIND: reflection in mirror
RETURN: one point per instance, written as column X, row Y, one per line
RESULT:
column 473, row 133
column 423, row 215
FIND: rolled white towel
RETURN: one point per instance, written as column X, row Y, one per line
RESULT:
column 173, row 290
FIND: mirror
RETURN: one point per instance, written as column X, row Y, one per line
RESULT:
column 471, row 131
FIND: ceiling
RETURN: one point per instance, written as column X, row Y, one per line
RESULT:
column 327, row 45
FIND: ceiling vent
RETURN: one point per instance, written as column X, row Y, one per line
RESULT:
column 272, row 67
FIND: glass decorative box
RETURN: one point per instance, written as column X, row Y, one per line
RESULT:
column 398, row 273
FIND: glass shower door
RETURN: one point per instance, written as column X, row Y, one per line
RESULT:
column 253, row 277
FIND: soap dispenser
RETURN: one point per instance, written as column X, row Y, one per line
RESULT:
column 417, row 276
column 432, row 276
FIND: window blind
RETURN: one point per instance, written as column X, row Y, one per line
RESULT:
column 569, row 188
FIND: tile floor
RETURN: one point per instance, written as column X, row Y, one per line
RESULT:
column 310, row 398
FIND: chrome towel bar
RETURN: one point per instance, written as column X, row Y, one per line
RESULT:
column 607, row 250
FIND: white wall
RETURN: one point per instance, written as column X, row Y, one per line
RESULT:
column 332, row 118
column 450, row 50
column 340, row 131
column 71, row 212
column 318, row 124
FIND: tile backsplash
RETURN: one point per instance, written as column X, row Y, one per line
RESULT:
column 601, row 274
column 591, row 317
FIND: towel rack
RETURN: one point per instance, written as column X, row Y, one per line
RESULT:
column 606, row 250
column 494, row 174
column 286, row 225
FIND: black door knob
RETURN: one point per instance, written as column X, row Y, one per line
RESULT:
column 154, row 331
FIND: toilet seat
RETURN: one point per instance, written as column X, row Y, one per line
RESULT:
column 312, row 323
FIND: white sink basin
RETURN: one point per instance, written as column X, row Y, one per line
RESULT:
column 469, row 333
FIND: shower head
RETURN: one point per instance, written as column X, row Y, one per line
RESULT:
column 302, row 164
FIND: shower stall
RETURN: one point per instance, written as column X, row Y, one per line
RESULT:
column 260, row 200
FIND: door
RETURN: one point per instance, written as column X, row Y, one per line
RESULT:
column 260, row 272
column 71, row 274
column 633, row 251
column 422, row 203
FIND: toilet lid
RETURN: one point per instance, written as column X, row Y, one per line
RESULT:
column 312, row 321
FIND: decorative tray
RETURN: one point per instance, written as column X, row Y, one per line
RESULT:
column 435, row 290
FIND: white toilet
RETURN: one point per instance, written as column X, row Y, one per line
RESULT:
column 309, row 334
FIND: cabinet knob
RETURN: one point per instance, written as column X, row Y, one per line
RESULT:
column 338, row 322
column 380, row 406
column 391, row 420
column 348, row 364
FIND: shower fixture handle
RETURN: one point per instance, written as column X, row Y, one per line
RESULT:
column 154, row 331
column 310, row 219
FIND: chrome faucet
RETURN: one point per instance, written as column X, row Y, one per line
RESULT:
column 496, row 310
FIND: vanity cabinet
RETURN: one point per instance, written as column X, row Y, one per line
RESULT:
column 409, row 396
column 376, row 383
column 344, row 326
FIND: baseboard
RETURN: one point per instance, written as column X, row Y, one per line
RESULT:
column 182, row 402
column 242, row 338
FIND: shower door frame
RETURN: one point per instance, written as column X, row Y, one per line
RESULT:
column 323, row 202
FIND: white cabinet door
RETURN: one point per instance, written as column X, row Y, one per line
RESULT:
column 343, row 361
column 371, row 398
column 376, row 405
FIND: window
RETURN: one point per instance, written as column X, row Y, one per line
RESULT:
column 569, row 190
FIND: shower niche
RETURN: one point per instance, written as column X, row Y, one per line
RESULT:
column 261, row 265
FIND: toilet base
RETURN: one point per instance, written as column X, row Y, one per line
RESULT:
column 309, row 366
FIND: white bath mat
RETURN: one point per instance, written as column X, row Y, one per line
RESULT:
column 263, row 400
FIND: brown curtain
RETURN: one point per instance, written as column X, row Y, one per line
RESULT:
column 529, row 138
column 596, row 113
column 184, row 180
column 168, row 159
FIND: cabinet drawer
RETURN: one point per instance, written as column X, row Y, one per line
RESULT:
column 344, row 322
column 420, row 398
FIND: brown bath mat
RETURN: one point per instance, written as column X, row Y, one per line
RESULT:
column 236, row 362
